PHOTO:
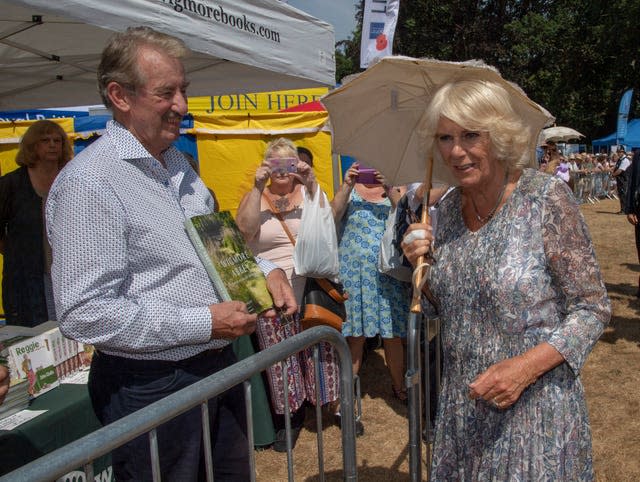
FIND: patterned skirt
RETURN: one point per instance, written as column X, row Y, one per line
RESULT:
column 300, row 367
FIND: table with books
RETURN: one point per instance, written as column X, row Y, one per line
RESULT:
column 67, row 416
column 48, row 404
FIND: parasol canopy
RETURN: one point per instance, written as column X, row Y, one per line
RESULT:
column 375, row 115
column 558, row 134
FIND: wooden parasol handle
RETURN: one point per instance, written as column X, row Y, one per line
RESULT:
column 417, row 278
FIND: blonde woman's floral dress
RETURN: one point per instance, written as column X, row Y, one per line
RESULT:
column 528, row 276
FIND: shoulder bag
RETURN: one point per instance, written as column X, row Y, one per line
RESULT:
column 323, row 300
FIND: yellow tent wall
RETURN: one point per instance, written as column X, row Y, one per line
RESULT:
column 231, row 147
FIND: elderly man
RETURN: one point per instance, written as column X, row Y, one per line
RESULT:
column 126, row 277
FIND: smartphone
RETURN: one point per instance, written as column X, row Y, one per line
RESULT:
column 283, row 165
column 366, row 175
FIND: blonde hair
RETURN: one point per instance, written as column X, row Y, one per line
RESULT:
column 119, row 60
column 479, row 105
column 27, row 151
column 281, row 144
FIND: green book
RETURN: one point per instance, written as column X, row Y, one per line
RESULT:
column 229, row 262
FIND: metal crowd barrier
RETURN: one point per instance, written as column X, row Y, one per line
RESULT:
column 421, row 331
column 592, row 187
column 84, row 451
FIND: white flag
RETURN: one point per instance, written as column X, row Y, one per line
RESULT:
column 378, row 27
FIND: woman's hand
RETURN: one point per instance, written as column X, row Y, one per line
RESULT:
column 502, row 384
column 306, row 176
column 263, row 173
column 417, row 242
column 351, row 175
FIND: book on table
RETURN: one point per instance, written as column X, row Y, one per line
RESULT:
column 228, row 260
column 30, row 360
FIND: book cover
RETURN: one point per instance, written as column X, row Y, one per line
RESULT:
column 228, row 260
column 32, row 361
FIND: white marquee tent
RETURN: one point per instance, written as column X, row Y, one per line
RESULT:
column 49, row 50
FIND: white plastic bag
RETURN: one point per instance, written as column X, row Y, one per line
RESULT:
column 316, row 250
column 389, row 258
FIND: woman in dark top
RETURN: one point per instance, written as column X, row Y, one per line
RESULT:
column 26, row 280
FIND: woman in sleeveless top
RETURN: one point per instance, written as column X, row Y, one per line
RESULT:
column 281, row 182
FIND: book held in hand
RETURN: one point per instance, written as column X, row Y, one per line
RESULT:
column 228, row 260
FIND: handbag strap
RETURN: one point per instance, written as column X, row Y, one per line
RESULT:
column 331, row 290
column 322, row 282
column 277, row 214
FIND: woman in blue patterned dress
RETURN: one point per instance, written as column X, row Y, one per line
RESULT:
column 520, row 296
column 377, row 304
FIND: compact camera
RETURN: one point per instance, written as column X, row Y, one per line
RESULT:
column 283, row 165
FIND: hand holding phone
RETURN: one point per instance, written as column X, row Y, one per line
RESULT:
column 283, row 165
column 367, row 175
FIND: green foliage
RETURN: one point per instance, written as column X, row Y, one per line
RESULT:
column 575, row 57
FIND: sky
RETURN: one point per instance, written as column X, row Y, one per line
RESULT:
column 339, row 13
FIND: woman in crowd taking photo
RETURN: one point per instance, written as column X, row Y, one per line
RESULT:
column 271, row 208
column 378, row 304
column 27, row 297
column 519, row 294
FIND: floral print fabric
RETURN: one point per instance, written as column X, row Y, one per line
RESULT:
column 526, row 277
column 377, row 304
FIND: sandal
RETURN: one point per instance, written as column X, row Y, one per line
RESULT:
column 400, row 393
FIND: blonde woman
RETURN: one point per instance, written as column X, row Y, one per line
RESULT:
column 280, row 184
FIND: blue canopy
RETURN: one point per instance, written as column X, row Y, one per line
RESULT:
column 631, row 140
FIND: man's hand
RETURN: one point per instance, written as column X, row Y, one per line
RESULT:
column 231, row 320
column 281, row 291
column 4, row 382
column 632, row 218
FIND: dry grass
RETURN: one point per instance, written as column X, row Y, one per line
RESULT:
column 611, row 377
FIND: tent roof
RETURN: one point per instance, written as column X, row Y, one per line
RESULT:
column 632, row 139
column 49, row 50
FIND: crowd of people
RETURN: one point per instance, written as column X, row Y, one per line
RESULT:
column 592, row 177
column 519, row 311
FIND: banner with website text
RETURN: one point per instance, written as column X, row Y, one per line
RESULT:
column 378, row 27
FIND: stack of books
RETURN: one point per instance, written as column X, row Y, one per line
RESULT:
column 16, row 400
column 39, row 359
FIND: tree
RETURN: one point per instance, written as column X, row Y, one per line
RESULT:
column 574, row 57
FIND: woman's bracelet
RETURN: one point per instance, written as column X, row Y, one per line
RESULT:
column 529, row 373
